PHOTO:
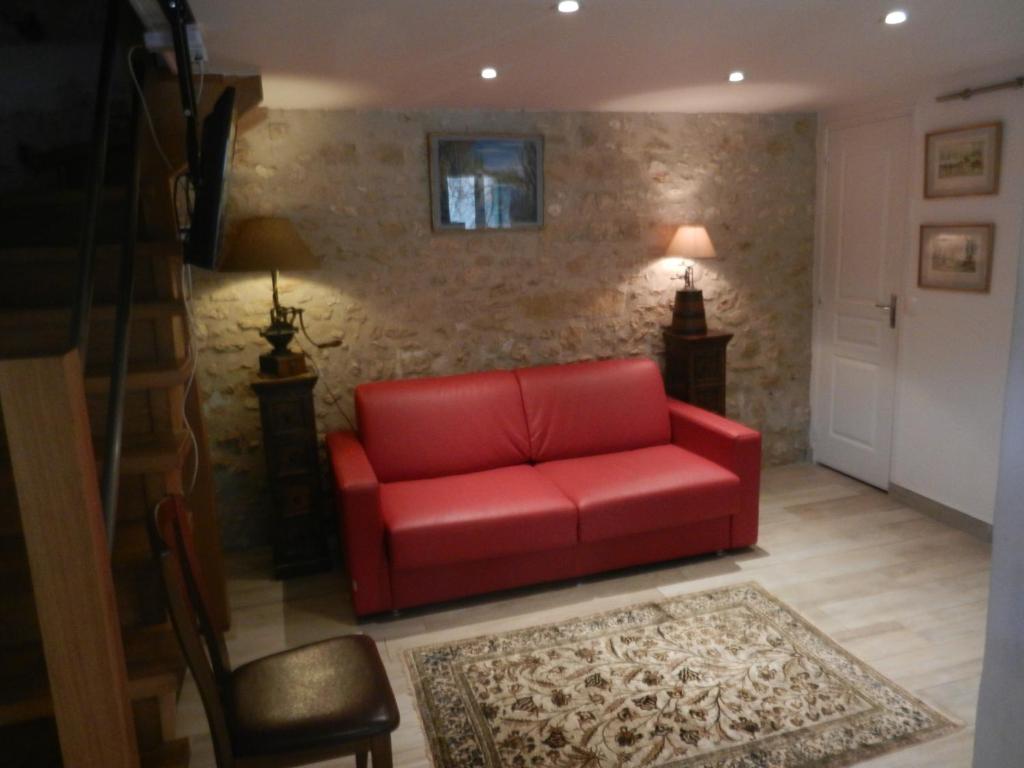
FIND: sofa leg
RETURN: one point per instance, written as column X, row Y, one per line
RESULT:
column 396, row 614
column 720, row 553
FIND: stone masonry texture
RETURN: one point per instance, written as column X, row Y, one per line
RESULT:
column 592, row 283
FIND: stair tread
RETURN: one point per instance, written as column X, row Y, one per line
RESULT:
column 140, row 454
column 20, row 329
column 161, row 375
column 154, row 667
column 68, row 254
column 76, row 195
column 56, row 216
column 145, row 453
column 141, row 309
column 131, row 547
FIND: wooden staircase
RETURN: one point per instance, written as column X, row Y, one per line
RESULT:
column 135, row 671
column 163, row 438
column 156, row 459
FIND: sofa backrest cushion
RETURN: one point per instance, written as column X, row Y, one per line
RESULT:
column 583, row 409
column 420, row 428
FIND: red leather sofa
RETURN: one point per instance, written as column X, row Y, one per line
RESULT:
column 468, row 484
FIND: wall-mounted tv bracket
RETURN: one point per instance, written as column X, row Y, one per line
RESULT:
column 179, row 17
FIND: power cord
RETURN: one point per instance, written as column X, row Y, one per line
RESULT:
column 323, row 380
column 145, row 107
column 323, row 345
column 186, row 289
column 186, row 270
column 202, row 78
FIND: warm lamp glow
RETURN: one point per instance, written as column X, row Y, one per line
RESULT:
column 265, row 244
column 691, row 242
column 271, row 243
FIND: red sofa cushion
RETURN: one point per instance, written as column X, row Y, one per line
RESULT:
column 650, row 489
column 421, row 428
column 477, row 516
column 585, row 409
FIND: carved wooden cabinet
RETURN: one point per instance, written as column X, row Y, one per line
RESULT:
column 293, row 473
column 695, row 368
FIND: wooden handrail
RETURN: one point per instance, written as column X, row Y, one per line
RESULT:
column 47, row 425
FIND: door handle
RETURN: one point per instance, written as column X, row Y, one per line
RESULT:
column 891, row 306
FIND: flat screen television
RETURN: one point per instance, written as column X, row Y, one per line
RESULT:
column 206, row 229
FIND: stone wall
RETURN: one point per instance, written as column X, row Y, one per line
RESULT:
column 591, row 284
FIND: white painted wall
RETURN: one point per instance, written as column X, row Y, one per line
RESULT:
column 954, row 347
column 959, row 425
column 999, row 738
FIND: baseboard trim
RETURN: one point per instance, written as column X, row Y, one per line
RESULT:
column 954, row 518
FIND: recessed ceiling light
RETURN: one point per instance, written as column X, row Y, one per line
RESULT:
column 568, row 6
column 488, row 73
column 736, row 77
column 895, row 17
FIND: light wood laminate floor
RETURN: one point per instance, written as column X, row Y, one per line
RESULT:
column 903, row 592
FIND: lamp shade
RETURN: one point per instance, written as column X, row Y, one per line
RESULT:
column 266, row 243
column 691, row 242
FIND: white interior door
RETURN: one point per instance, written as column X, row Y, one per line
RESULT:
column 862, row 245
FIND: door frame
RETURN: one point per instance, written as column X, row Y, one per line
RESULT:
column 826, row 126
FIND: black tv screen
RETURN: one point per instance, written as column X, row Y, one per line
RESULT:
column 206, row 230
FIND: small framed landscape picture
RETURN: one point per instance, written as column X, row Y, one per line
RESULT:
column 963, row 161
column 956, row 257
column 486, row 182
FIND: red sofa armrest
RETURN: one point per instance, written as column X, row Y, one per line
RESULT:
column 361, row 526
column 733, row 446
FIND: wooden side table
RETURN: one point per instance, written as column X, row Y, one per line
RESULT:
column 293, row 472
column 695, row 368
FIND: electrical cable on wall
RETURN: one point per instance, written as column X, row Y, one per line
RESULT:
column 145, row 107
column 186, row 289
column 202, row 79
column 323, row 379
column 186, row 272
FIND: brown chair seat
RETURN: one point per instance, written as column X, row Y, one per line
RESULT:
column 298, row 707
column 313, row 696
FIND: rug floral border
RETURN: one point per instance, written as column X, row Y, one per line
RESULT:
column 454, row 734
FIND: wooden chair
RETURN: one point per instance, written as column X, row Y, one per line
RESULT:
column 304, row 705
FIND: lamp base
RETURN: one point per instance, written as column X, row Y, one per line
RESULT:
column 281, row 361
column 688, row 313
column 282, row 364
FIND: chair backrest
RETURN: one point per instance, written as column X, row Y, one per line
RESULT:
column 170, row 534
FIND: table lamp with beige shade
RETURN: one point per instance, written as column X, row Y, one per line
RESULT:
column 690, row 242
column 272, row 244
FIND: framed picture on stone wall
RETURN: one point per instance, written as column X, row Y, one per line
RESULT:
column 956, row 257
column 486, row 182
column 963, row 161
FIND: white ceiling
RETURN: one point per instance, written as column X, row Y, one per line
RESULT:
column 633, row 55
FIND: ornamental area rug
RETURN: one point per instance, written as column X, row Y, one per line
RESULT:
column 729, row 678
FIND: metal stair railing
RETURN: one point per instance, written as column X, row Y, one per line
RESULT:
column 79, row 331
column 63, row 519
column 122, row 331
